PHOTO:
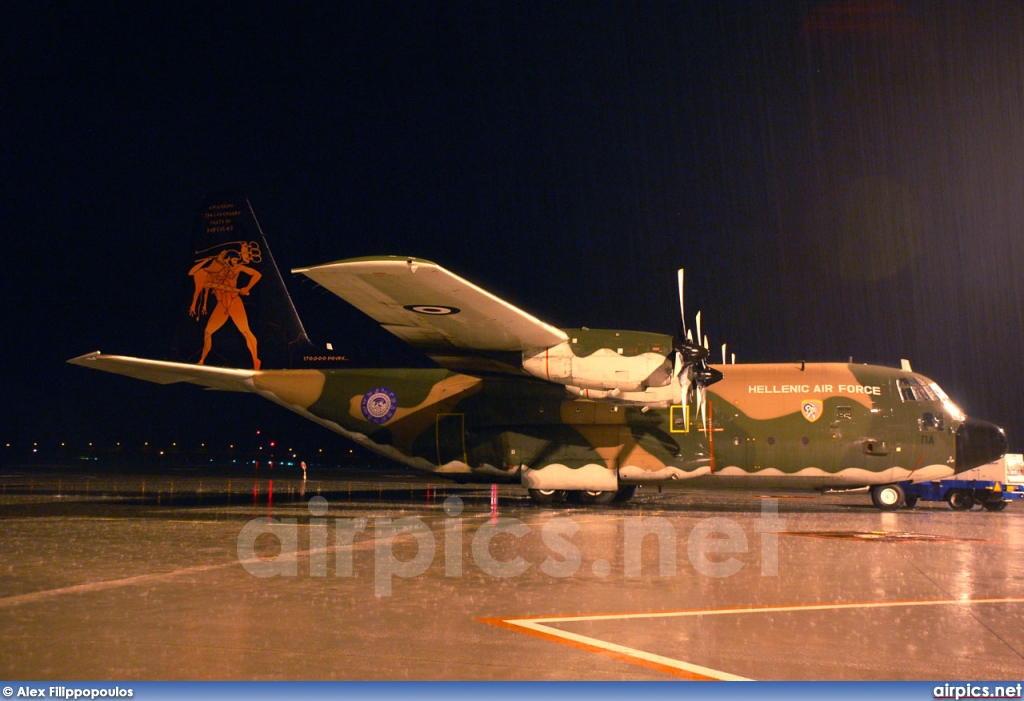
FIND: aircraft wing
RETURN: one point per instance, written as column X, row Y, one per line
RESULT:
column 433, row 309
column 165, row 373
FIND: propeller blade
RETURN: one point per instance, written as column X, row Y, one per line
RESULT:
column 684, row 392
column 677, row 366
column 703, row 406
column 682, row 308
column 723, row 353
column 698, row 328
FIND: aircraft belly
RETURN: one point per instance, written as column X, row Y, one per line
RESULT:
column 591, row 477
column 810, row 478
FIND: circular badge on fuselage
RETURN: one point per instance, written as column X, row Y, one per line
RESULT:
column 379, row 405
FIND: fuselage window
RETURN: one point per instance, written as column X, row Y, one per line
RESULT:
column 932, row 421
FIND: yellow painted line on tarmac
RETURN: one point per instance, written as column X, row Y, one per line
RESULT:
column 659, row 663
column 542, row 627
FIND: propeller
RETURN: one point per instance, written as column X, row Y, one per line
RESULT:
column 690, row 365
column 686, row 352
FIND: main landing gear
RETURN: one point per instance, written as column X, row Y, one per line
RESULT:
column 551, row 497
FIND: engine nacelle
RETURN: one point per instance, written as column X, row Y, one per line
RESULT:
column 652, row 397
column 603, row 370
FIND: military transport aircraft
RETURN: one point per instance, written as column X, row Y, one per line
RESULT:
column 580, row 414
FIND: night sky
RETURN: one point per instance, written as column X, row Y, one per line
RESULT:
column 840, row 179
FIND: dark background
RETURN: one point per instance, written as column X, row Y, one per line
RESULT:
column 838, row 178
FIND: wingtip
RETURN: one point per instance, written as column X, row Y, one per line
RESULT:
column 84, row 358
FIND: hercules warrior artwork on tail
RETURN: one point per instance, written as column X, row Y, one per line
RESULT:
column 219, row 274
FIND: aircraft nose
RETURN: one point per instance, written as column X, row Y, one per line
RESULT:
column 978, row 443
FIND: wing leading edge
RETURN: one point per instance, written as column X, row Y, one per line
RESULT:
column 433, row 309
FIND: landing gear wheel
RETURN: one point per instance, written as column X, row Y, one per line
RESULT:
column 887, row 497
column 597, row 498
column 995, row 505
column 547, row 497
column 625, row 493
column 910, row 501
column 960, row 501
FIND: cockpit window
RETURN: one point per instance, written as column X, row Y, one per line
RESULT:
column 917, row 389
column 913, row 389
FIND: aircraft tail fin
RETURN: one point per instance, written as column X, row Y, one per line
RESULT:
column 236, row 311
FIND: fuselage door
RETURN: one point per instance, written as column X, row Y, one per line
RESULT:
column 862, row 440
column 865, row 437
column 842, row 429
column 450, row 430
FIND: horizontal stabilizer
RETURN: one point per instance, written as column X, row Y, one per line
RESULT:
column 431, row 308
column 165, row 373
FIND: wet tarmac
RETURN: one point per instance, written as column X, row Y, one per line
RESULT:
column 388, row 576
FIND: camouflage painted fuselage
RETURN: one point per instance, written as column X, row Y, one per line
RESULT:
column 515, row 398
column 807, row 425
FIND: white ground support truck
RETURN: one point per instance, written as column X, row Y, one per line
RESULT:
column 991, row 486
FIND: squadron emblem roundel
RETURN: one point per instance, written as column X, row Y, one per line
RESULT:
column 379, row 405
column 812, row 409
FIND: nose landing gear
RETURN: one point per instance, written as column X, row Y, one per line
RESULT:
column 888, row 497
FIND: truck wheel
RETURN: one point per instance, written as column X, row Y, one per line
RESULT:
column 547, row 497
column 910, row 500
column 887, row 497
column 960, row 501
column 995, row 505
